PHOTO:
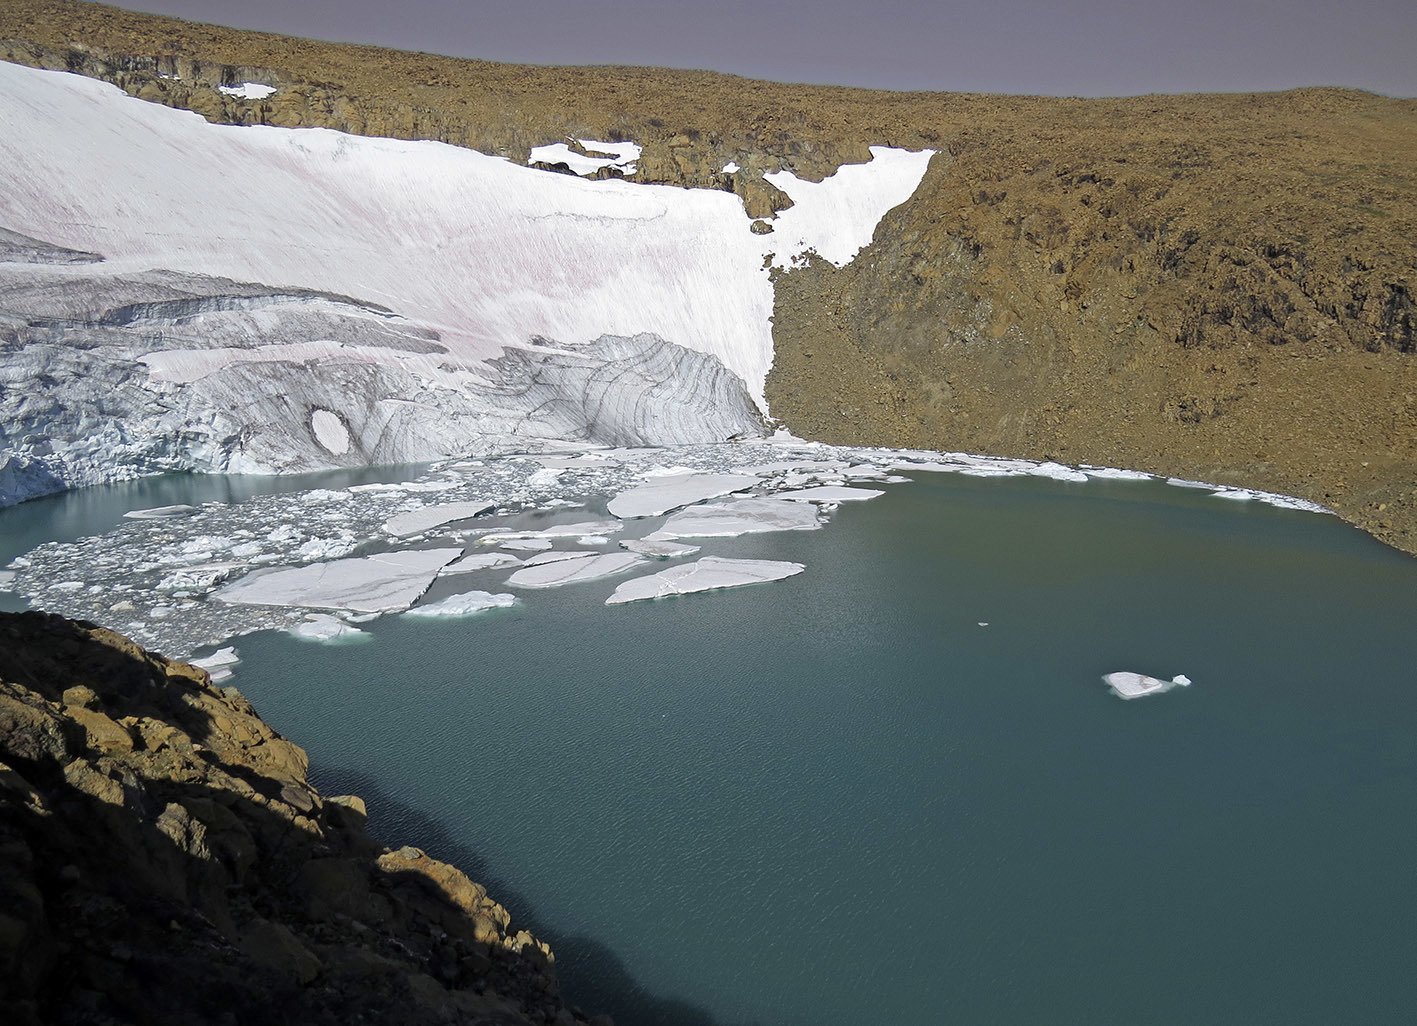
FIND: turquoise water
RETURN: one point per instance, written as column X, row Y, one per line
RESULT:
column 838, row 800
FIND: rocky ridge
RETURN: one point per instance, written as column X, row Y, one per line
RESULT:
column 1211, row 286
column 163, row 859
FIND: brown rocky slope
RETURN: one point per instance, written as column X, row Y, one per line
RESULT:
column 163, row 859
column 1212, row 286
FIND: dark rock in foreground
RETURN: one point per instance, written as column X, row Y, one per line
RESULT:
column 163, row 859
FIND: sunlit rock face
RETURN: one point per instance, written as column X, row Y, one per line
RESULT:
column 177, row 295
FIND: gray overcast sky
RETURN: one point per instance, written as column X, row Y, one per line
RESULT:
column 1095, row 48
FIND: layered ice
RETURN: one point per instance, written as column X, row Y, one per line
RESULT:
column 220, row 664
column 1130, row 685
column 830, row 493
column 658, row 549
column 589, row 567
column 708, row 574
column 732, row 519
column 671, row 491
column 463, row 604
column 323, row 627
column 418, row 521
column 383, row 583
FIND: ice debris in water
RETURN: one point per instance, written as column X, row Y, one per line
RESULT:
column 464, row 604
column 590, row 567
column 661, row 494
column 417, row 521
column 745, row 516
column 324, row 627
column 178, row 564
column 382, row 583
column 708, row 574
column 160, row 512
column 830, row 493
column 658, row 549
column 219, row 664
column 1128, row 685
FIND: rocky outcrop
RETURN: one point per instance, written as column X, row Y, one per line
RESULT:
column 163, row 859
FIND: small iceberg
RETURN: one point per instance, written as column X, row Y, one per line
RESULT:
column 658, row 549
column 1129, row 685
column 323, row 627
column 708, row 574
column 160, row 512
column 386, row 583
column 662, row 494
column 419, row 520
column 745, row 516
column 464, row 604
column 219, row 664
column 590, row 567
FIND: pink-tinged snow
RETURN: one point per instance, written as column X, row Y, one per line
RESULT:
column 487, row 252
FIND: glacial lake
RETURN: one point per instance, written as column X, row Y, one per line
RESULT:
column 838, row 799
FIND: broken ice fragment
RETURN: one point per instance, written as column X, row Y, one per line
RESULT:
column 707, row 574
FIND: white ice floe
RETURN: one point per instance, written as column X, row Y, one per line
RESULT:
column 1115, row 474
column 837, row 216
column 707, row 574
column 384, row 583
column 829, row 493
column 219, row 664
column 518, row 544
column 6, row 576
column 248, row 90
column 542, row 558
column 662, row 494
column 744, row 516
column 479, row 561
column 658, row 549
column 417, row 521
column 464, row 604
column 1057, row 472
column 1137, row 685
column 325, row 628
column 160, row 512
column 591, row 567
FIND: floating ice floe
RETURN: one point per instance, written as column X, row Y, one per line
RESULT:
column 731, row 519
column 1270, row 499
column 1137, row 685
column 324, row 627
column 663, row 494
column 463, row 604
column 384, row 583
column 219, row 664
column 658, row 549
column 248, row 91
column 591, row 567
column 829, row 493
column 160, row 512
column 518, row 544
column 479, row 561
column 542, row 558
column 417, row 521
column 708, row 574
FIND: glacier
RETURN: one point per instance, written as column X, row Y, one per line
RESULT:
column 179, row 295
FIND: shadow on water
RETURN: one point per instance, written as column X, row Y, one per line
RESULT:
column 592, row 976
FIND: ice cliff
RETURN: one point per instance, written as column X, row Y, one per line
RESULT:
column 181, row 295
